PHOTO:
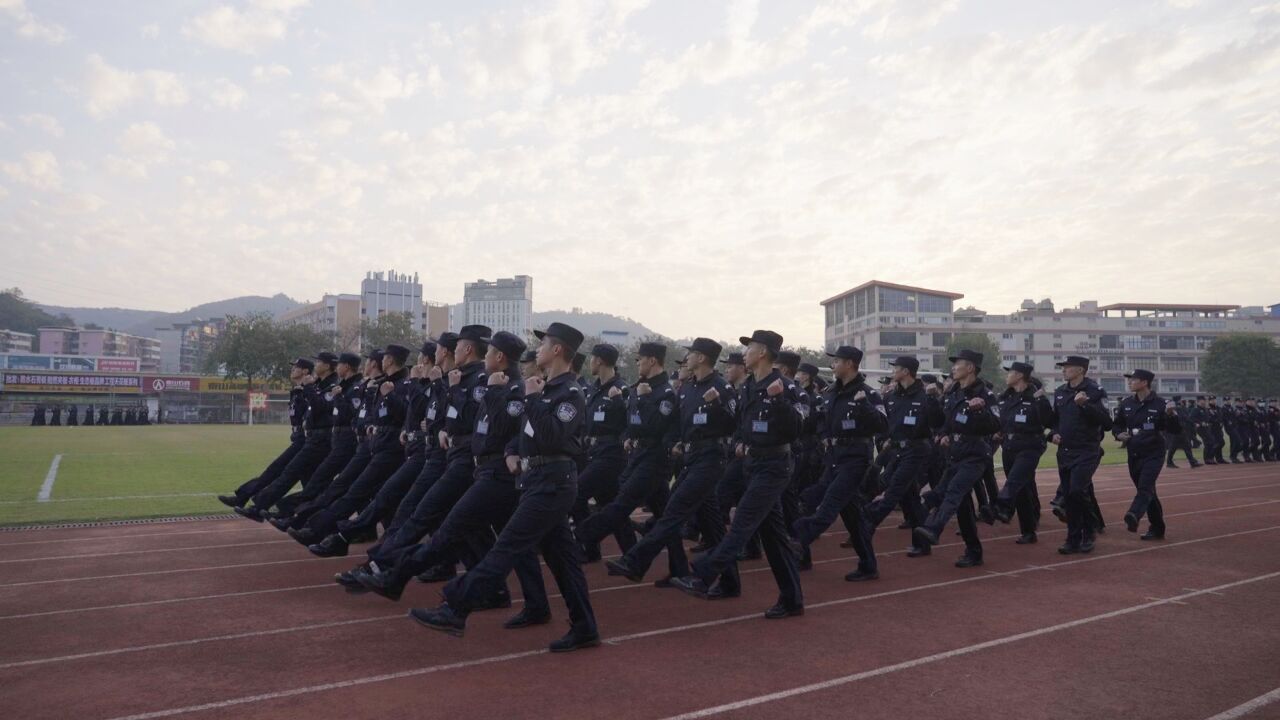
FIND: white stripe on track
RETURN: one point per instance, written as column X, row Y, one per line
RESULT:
column 46, row 490
column 102, row 497
column 1257, row 703
column 144, row 552
column 130, row 537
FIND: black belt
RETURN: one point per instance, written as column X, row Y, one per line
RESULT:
column 540, row 460
column 759, row 451
column 343, row 429
column 386, row 429
column 693, row 445
column 847, row 441
column 456, row 440
column 906, row 443
column 961, row 437
column 488, row 458
column 644, row 443
column 594, row 440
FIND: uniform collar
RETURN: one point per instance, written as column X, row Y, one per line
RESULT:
column 563, row 378
column 660, row 379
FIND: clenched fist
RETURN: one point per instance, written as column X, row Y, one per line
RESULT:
column 711, row 395
column 862, row 395
column 498, row 378
column 614, row 392
column 977, row 403
column 386, row 388
column 1081, row 398
column 435, row 373
column 643, row 389
column 775, row 388
column 534, row 385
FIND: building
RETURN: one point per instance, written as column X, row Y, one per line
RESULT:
column 438, row 320
column 14, row 341
column 504, row 304
column 886, row 320
column 185, row 346
column 99, row 342
column 334, row 316
column 392, row 292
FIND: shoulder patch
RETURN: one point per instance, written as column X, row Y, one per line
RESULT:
column 514, row 408
column 666, row 407
column 566, row 412
column 478, row 392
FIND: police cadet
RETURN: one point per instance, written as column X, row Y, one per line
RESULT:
column 1176, row 440
column 913, row 411
column 854, row 415
column 605, row 423
column 1203, row 418
column 88, row 416
column 315, row 384
column 1272, row 412
column 548, row 443
column 1249, row 431
column 652, row 422
column 1078, row 419
column 734, row 482
column 1140, row 420
column 770, row 415
column 297, row 438
column 1230, row 425
column 969, row 412
column 73, row 415
column 706, row 424
column 104, row 419
column 386, row 454
column 1266, row 453
column 416, row 447
column 1024, row 416
column 487, row 505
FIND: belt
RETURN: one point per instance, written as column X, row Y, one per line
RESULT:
column 540, row 460
column 846, row 441
column 759, row 451
column 961, row 437
column 321, row 430
column 644, row 443
column 386, row 429
column 456, row 440
column 906, row 443
column 488, row 458
column 720, row 442
column 594, row 440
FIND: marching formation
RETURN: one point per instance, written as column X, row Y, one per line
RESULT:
column 486, row 454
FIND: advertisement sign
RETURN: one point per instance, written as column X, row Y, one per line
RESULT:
column 239, row 385
column 70, row 383
column 117, row 364
column 29, row 362
column 70, row 362
column 257, row 400
column 167, row 383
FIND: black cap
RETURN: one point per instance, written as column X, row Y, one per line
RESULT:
column 885, row 379
column 972, row 356
column 475, row 333
column 907, row 361
column 789, row 360
column 607, row 353
column 735, row 358
column 706, row 346
column 352, row 360
column 1142, row 375
column 566, row 334
column 1177, row 398
column 529, row 356
column 448, row 341
column 399, row 352
column 508, row 344
column 767, row 338
column 1021, row 367
column 657, row 351
column 929, row 378
column 809, row 368
column 376, row 355
column 429, row 349
column 579, row 360
column 325, row 356
column 305, row 364
column 847, row 352
column 1075, row 360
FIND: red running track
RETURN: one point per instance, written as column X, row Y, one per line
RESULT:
column 228, row 619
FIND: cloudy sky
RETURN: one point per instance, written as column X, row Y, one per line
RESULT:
column 705, row 168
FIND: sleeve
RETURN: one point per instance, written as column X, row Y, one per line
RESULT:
column 553, row 424
column 934, row 417
column 872, row 412
column 988, row 416
column 1096, row 411
column 505, row 408
column 316, row 400
column 1121, row 422
column 395, row 402
column 1172, row 423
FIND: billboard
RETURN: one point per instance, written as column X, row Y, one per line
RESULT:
column 239, row 385
column 79, row 363
column 118, row 364
column 152, row 384
column 29, row 362
column 71, row 383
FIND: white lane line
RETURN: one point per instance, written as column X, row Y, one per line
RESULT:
column 174, row 571
column 1257, row 703
column 859, row 598
column 961, row 651
column 293, row 692
column 48, row 484
column 168, row 601
column 46, row 489
column 92, row 538
column 144, row 552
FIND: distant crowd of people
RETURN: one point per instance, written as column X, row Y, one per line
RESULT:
column 135, row 414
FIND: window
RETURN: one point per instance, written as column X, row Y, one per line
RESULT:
column 1138, row 342
column 1177, row 342
column 1057, row 336
column 1112, row 362
column 896, row 301
column 899, row 339
column 1114, row 385
column 1007, row 336
column 940, row 339
column 1179, row 364
column 1109, row 342
column 934, row 304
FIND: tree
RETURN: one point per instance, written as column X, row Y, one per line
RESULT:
column 256, row 347
column 980, row 342
column 1243, row 364
column 390, row 328
column 21, row 315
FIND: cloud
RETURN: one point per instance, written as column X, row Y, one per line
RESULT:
column 270, row 73
column 362, row 93
column 47, row 123
column 150, row 31
column 244, row 29
column 227, row 94
column 144, row 146
column 29, row 26
column 108, row 88
column 37, row 169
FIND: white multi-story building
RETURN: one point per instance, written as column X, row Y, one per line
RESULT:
column 185, row 346
column 14, row 341
column 335, row 316
column 503, row 304
column 392, row 292
column 886, row 320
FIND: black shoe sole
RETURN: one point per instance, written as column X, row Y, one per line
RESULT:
column 447, row 630
column 576, row 646
column 542, row 620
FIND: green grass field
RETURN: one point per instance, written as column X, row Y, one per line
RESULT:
column 113, row 473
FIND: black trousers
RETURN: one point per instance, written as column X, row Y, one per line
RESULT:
column 382, row 506
column 468, row 530
column 842, row 478
column 965, row 469
column 387, row 457
column 296, row 440
column 299, row 469
column 373, row 513
column 695, row 489
column 598, row 481
column 342, row 447
column 645, row 481
column 1144, row 469
column 1237, row 441
column 540, row 523
column 901, row 478
column 1175, row 442
column 759, row 510
column 339, row 486
column 1020, row 457
column 431, row 511
column 1076, row 467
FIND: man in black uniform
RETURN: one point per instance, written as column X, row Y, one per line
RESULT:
column 1024, row 416
column 1231, row 425
column 770, row 415
column 969, row 419
column 88, row 416
column 315, row 388
column 734, row 482
column 913, row 413
column 297, row 438
column 1260, row 413
column 652, row 423
column 1140, row 419
column 73, row 415
column 706, row 424
column 854, row 415
column 548, row 443
column 1202, row 419
column 1176, row 440
column 104, row 418
column 1078, row 419
column 605, row 423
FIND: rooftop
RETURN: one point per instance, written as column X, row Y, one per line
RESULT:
column 1174, row 307
column 893, row 286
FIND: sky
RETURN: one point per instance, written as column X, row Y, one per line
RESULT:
column 705, row 168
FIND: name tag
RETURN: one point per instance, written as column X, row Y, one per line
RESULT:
column 1020, row 418
column 528, row 428
column 700, row 419
column 961, row 418
column 1148, row 426
column 335, row 412
column 382, row 411
column 848, row 424
column 431, row 414
column 635, row 419
column 452, row 413
column 598, row 416
column 482, row 427
column 361, row 413
column 909, row 420
column 759, row 426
